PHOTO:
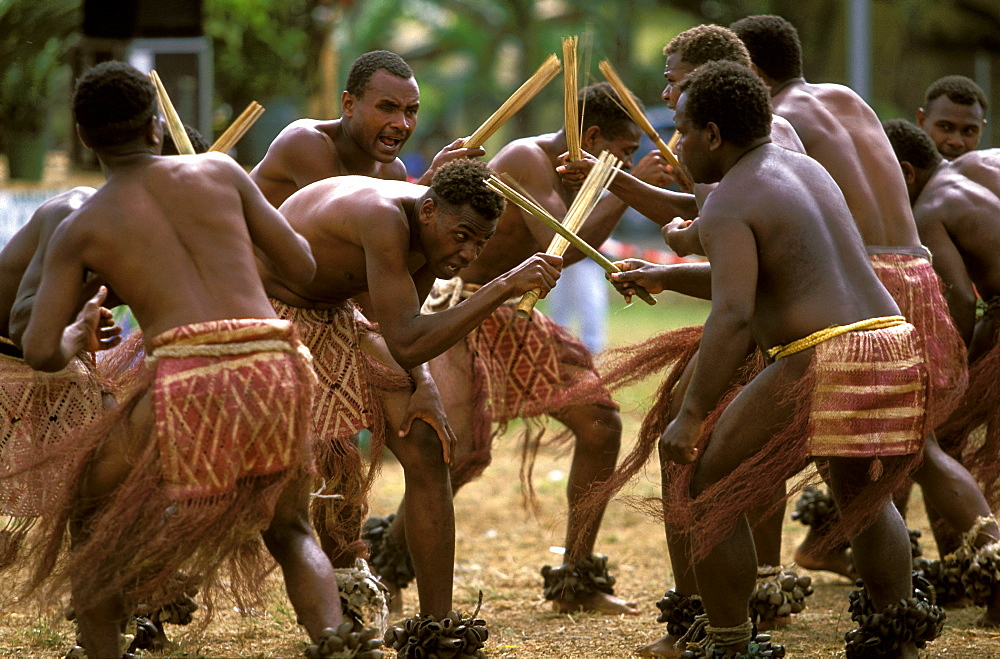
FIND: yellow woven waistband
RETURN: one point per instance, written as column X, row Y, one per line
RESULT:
column 4, row 340
column 777, row 352
column 227, row 349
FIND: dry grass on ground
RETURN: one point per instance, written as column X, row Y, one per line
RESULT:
column 500, row 551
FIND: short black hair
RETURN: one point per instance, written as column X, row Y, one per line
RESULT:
column 958, row 89
column 708, row 43
column 365, row 67
column 774, row 45
column 113, row 103
column 462, row 182
column 198, row 141
column 911, row 144
column 600, row 106
column 732, row 97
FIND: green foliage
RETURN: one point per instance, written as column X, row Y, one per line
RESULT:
column 263, row 49
column 34, row 35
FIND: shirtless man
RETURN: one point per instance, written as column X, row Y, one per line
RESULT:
column 484, row 380
column 379, row 113
column 685, row 52
column 391, row 239
column 981, row 166
column 844, row 135
column 766, row 294
column 201, row 219
column 953, row 115
column 957, row 221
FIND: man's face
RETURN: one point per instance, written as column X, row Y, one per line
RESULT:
column 954, row 128
column 622, row 147
column 692, row 145
column 384, row 116
column 452, row 238
column 676, row 72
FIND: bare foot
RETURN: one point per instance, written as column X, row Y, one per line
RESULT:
column 837, row 561
column 661, row 647
column 600, row 602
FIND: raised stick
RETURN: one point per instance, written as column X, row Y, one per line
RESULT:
column 570, row 103
column 544, row 75
column 238, row 128
column 533, row 208
column 640, row 119
column 174, row 123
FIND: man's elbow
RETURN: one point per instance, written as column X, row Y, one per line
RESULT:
column 42, row 359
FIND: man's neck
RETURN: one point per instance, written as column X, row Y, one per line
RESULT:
column 924, row 177
column 353, row 158
column 778, row 87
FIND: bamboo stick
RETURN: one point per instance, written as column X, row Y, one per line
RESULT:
column 672, row 144
column 570, row 102
column 174, row 123
column 533, row 208
column 639, row 117
column 544, row 75
column 238, row 128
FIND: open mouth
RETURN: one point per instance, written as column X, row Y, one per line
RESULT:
column 390, row 142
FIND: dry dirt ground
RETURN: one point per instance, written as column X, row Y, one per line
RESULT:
column 500, row 551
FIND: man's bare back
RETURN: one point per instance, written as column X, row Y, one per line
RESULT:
column 982, row 166
column 840, row 131
column 967, row 212
column 813, row 269
column 199, row 215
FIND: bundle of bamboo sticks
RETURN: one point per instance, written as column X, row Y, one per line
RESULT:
column 639, row 117
column 238, row 128
column 544, row 75
column 174, row 123
column 524, row 200
column 570, row 103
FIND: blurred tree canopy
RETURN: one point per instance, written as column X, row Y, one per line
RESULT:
column 469, row 56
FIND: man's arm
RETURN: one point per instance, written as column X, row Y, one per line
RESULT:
column 657, row 204
column 287, row 251
column 693, row 279
column 413, row 338
column 52, row 338
column 453, row 151
column 727, row 338
column 29, row 244
column 959, row 291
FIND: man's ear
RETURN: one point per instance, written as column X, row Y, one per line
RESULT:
column 83, row 138
column 920, row 117
column 714, row 136
column 347, row 104
column 909, row 172
column 428, row 211
column 589, row 138
column 154, row 131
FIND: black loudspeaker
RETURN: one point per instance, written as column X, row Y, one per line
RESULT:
column 127, row 19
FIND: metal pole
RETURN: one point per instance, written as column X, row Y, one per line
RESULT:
column 859, row 48
column 984, row 77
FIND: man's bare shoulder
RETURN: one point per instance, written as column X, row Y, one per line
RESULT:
column 303, row 138
column 783, row 134
column 949, row 196
column 523, row 156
